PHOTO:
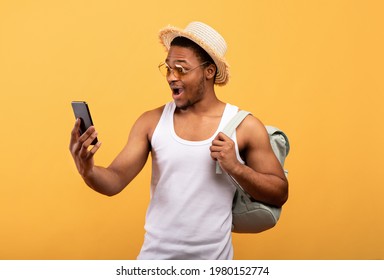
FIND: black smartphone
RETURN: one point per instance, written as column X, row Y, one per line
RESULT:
column 81, row 110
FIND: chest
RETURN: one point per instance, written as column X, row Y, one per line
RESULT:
column 200, row 129
column 196, row 128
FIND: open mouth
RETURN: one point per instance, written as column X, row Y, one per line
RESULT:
column 177, row 91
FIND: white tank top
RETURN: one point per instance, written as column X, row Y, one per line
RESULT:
column 190, row 212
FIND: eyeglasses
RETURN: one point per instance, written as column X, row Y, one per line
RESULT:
column 178, row 71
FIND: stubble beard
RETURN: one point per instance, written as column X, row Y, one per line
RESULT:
column 190, row 102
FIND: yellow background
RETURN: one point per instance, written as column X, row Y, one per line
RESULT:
column 313, row 68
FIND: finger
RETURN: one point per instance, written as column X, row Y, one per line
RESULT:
column 215, row 155
column 221, row 136
column 87, row 134
column 95, row 148
column 215, row 148
column 85, row 145
column 218, row 143
column 220, row 139
column 75, row 134
column 75, row 131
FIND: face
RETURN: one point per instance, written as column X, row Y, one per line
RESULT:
column 189, row 88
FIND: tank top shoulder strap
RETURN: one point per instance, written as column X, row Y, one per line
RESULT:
column 229, row 112
column 164, row 120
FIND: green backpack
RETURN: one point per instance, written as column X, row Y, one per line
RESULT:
column 249, row 215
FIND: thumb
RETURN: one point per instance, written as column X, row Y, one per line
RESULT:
column 222, row 136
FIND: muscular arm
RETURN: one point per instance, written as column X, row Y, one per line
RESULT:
column 124, row 168
column 262, row 176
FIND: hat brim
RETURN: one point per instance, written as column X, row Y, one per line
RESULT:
column 169, row 33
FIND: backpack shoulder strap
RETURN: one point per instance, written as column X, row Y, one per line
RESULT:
column 230, row 128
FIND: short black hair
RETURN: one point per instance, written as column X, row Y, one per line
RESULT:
column 187, row 43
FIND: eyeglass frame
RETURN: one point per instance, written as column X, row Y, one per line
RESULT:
column 177, row 74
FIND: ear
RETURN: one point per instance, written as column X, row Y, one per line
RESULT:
column 210, row 71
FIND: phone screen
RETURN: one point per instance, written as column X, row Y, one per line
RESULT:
column 81, row 111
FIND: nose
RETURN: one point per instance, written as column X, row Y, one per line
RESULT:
column 171, row 77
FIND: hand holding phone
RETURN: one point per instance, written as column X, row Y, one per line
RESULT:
column 81, row 111
column 79, row 145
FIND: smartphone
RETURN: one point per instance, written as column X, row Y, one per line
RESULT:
column 81, row 110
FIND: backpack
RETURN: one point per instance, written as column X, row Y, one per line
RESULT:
column 249, row 215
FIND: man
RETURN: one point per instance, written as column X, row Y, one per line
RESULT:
column 189, row 215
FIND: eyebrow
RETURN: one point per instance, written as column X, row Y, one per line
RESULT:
column 178, row 61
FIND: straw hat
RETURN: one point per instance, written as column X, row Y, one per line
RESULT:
column 207, row 38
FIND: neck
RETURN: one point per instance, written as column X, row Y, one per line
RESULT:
column 208, row 105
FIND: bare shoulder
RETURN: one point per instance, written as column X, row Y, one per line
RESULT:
column 152, row 116
column 147, row 122
column 251, row 133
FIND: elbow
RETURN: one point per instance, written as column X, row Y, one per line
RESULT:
column 280, row 194
column 112, row 192
column 277, row 195
column 106, row 191
column 283, row 200
column 283, row 197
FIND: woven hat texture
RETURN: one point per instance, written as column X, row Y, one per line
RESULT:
column 207, row 38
